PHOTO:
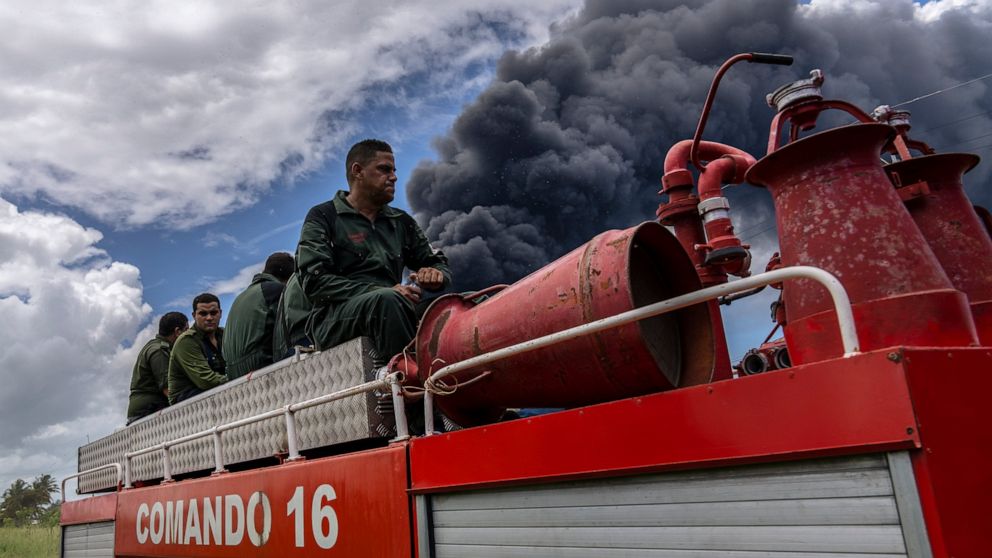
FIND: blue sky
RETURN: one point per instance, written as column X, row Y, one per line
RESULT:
column 157, row 150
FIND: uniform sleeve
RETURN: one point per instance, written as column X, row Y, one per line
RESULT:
column 421, row 254
column 187, row 354
column 158, row 361
column 315, row 264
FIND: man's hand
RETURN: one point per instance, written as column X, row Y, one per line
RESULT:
column 410, row 292
column 429, row 278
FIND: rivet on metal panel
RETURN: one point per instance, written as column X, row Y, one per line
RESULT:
column 894, row 356
column 909, row 430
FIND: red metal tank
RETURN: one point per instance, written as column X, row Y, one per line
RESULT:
column 614, row 272
column 931, row 187
column 837, row 210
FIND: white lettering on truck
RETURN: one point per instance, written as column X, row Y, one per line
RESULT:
column 226, row 519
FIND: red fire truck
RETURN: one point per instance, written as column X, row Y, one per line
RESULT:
column 858, row 435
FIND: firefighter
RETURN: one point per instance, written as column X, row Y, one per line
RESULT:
column 197, row 361
column 291, row 320
column 150, row 376
column 351, row 257
column 252, row 318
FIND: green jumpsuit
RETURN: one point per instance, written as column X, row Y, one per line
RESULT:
column 250, row 323
column 291, row 320
column 195, row 365
column 149, row 379
column 348, row 265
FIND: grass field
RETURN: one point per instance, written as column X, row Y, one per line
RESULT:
column 29, row 542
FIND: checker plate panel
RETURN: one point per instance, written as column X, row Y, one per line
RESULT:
column 277, row 385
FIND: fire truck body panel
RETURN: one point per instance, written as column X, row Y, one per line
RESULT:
column 845, row 456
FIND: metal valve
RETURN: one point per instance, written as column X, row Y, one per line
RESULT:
column 893, row 117
column 797, row 91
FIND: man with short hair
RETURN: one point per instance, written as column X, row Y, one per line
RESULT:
column 197, row 361
column 150, row 376
column 252, row 319
column 351, row 257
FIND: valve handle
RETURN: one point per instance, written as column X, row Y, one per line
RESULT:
column 766, row 58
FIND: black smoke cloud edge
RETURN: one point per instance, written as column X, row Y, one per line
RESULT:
column 569, row 139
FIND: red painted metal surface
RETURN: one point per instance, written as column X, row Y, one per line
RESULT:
column 836, row 210
column 614, row 272
column 950, row 391
column 350, row 505
column 950, row 225
column 985, row 217
column 88, row 510
column 853, row 405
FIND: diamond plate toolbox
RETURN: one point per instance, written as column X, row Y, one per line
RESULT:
column 280, row 384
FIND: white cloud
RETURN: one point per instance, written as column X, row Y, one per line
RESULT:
column 181, row 111
column 932, row 11
column 238, row 283
column 66, row 351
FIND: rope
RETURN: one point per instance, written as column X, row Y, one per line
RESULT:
column 440, row 387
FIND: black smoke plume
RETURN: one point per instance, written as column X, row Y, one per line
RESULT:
column 570, row 138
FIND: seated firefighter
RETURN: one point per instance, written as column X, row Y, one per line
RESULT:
column 291, row 320
column 197, row 361
column 252, row 318
column 150, row 376
column 351, row 257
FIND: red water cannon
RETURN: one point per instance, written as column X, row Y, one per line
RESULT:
column 836, row 209
column 616, row 271
column 931, row 186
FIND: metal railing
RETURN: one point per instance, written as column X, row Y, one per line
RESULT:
column 842, row 303
column 116, row 466
column 390, row 382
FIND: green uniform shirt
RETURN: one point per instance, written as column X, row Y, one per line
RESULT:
column 359, row 256
column 248, row 333
column 291, row 319
column 149, row 378
column 194, row 363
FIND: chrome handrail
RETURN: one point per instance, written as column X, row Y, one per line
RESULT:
column 842, row 303
column 116, row 466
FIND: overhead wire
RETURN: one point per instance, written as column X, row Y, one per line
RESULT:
column 939, row 91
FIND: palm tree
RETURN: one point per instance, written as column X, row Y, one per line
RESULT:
column 43, row 487
column 24, row 502
column 15, row 499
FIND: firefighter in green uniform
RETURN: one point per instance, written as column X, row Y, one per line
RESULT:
column 197, row 362
column 252, row 318
column 150, row 376
column 291, row 320
column 351, row 257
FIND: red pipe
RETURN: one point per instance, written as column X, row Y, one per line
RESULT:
column 682, row 213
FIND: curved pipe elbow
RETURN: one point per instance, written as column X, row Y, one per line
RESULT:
column 728, row 169
column 678, row 156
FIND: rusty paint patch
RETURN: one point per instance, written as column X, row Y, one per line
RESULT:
column 620, row 243
column 475, row 341
column 436, row 332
